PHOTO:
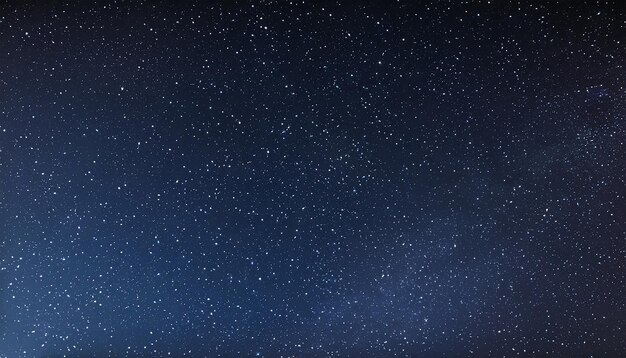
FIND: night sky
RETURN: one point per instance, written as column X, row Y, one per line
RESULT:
column 313, row 179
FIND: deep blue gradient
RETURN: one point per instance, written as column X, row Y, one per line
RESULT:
column 364, row 179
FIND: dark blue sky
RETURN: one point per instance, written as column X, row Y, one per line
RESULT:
column 341, row 179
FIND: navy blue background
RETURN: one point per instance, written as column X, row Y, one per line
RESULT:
column 312, row 179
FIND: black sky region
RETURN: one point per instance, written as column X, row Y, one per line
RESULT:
column 313, row 179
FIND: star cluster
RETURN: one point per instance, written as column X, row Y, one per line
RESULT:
column 301, row 178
